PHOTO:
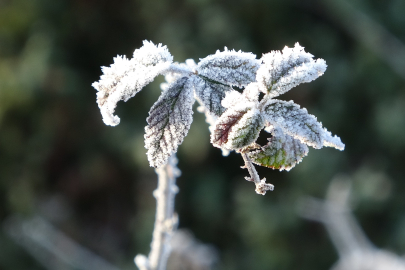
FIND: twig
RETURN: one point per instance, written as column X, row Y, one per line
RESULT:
column 166, row 220
column 261, row 186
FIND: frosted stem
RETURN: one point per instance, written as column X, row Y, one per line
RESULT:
column 166, row 220
column 178, row 69
column 261, row 186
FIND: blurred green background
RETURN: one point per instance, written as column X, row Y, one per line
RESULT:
column 93, row 182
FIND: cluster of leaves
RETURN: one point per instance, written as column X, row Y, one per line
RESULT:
column 236, row 118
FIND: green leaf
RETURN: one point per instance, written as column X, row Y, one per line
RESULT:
column 282, row 152
column 238, row 127
column 246, row 131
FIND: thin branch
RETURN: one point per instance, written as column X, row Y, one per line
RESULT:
column 261, row 186
column 166, row 220
column 344, row 231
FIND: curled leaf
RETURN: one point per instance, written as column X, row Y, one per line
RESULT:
column 299, row 124
column 169, row 121
column 230, row 67
column 126, row 77
column 282, row 152
column 284, row 70
column 251, row 92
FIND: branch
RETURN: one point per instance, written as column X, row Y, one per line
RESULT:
column 344, row 231
column 261, row 186
column 166, row 220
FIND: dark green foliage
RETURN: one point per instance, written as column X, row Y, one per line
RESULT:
column 55, row 149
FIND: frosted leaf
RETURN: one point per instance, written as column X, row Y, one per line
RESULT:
column 169, row 121
column 210, row 94
column 223, row 133
column 252, row 92
column 152, row 55
column 282, row 152
column 299, row 124
column 230, row 67
column 126, row 77
column 223, row 126
column 234, row 98
column 238, row 127
column 231, row 99
column 284, row 70
column 246, row 130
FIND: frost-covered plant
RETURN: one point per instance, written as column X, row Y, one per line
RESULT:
column 236, row 116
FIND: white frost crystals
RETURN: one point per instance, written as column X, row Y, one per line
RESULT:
column 126, row 77
column 230, row 67
column 298, row 123
column 236, row 116
column 284, row 70
column 169, row 121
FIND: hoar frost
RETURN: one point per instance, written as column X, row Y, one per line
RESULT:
column 284, row 70
column 126, row 77
column 235, row 117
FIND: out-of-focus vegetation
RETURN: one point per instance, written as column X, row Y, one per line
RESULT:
column 58, row 160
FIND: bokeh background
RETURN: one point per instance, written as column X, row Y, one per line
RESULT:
column 58, row 161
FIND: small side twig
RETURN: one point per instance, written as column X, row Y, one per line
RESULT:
column 166, row 219
column 261, row 186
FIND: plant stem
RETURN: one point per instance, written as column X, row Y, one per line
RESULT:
column 166, row 219
column 261, row 186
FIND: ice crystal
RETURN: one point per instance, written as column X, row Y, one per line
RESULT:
column 235, row 118
column 284, row 70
